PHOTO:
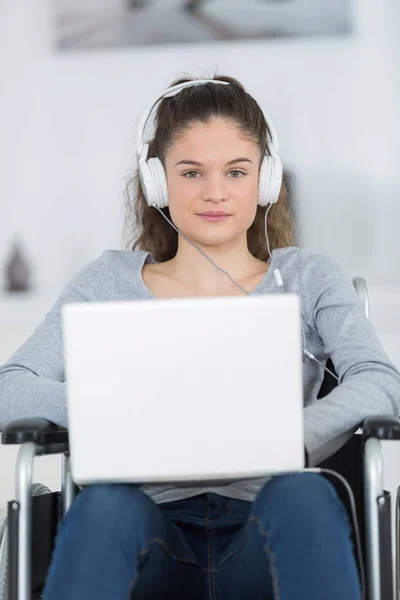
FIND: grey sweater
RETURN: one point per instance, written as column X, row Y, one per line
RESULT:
column 32, row 382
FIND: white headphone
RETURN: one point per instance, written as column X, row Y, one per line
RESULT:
column 152, row 173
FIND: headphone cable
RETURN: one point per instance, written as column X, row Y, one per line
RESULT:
column 200, row 250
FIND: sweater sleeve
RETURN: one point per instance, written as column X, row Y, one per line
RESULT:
column 369, row 384
column 32, row 381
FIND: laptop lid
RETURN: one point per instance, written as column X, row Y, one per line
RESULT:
column 181, row 390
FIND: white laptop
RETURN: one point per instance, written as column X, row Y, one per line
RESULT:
column 185, row 390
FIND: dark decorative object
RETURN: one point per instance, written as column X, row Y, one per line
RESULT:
column 137, row 3
column 192, row 5
column 17, row 270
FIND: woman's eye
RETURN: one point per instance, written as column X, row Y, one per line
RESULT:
column 191, row 174
column 236, row 173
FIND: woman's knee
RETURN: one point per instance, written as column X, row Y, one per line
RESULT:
column 299, row 494
column 102, row 505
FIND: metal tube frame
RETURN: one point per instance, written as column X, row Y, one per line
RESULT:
column 397, row 562
column 373, row 491
column 26, row 455
column 68, row 488
column 362, row 289
column 24, row 471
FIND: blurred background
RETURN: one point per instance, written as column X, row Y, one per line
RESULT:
column 86, row 24
column 75, row 76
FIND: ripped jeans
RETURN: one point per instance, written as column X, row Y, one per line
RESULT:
column 293, row 541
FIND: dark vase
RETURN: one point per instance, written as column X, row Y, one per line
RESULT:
column 17, row 271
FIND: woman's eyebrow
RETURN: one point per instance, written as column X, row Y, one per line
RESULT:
column 197, row 164
column 235, row 160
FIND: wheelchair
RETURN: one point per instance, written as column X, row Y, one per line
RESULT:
column 33, row 518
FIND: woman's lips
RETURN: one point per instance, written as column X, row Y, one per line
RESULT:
column 214, row 218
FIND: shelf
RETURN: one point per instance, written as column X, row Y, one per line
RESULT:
column 25, row 307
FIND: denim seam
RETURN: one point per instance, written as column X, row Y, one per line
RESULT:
column 206, row 521
column 160, row 541
column 146, row 549
column 133, row 582
column 225, row 558
column 212, row 570
column 205, row 570
column 270, row 556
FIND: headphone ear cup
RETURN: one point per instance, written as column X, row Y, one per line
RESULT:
column 270, row 181
column 264, row 181
column 158, row 189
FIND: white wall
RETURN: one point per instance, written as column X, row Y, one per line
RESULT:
column 68, row 121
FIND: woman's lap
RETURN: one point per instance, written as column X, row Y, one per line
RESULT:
column 213, row 547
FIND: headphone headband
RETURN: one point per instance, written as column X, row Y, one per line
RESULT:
column 272, row 141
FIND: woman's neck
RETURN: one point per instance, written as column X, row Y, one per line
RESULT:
column 191, row 267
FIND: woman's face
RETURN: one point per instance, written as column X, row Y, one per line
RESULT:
column 212, row 179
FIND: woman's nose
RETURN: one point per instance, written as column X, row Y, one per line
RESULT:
column 214, row 189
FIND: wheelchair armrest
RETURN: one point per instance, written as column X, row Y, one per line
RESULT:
column 39, row 431
column 383, row 427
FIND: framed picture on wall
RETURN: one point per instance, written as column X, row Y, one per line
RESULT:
column 120, row 23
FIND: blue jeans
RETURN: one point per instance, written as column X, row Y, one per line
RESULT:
column 293, row 541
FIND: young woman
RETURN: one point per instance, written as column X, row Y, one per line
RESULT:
column 212, row 173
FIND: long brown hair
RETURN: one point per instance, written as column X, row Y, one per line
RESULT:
column 146, row 228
